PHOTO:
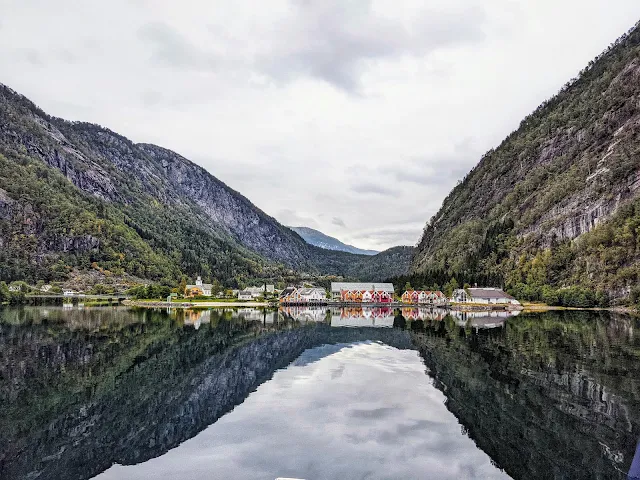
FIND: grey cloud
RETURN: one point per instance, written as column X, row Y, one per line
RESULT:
column 33, row 57
column 67, row 56
column 394, row 236
column 172, row 49
column 375, row 413
column 338, row 221
column 331, row 40
column 405, row 430
column 289, row 217
column 151, row 98
column 372, row 188
column 431, row 176
column 439, row 169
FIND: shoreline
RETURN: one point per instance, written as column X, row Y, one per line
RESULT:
column 158, row 304
column 541, row 307
column 524, row 308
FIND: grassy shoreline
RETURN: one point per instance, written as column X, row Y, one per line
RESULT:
column 543, row 307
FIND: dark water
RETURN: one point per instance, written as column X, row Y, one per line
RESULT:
column 350, row 394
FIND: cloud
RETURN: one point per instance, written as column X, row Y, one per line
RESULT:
column 151, row 98
column 291, row 218
column 171, row 49
column 372, row 188
column 333, row 40
column 394, row 236
column 33, row 56
column 338, row 222
column 68, row 56
column 439, row 168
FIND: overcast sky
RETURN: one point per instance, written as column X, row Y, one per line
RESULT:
column 352, row 117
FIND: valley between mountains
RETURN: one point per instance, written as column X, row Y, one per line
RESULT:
column 555, row 206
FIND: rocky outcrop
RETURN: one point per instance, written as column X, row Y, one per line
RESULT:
column 228, row 208
column 5, row 205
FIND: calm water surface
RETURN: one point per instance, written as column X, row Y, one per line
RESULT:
column 113, row 393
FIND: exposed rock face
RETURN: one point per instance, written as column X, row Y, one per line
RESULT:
column 81, row 243
column 228, row 208
column 5, row 204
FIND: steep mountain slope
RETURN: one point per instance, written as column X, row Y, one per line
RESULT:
column 319, row 239
column 77, row 195
column 556, row 203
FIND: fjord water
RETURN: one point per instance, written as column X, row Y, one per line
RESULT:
column 114, row 393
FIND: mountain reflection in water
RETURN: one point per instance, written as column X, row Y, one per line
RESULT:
column 544, row 395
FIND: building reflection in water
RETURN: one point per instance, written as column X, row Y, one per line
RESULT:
column 384, row 317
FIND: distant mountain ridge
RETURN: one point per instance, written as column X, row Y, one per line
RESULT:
column 322, row 240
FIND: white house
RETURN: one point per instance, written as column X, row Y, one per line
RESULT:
column 245, row 295
column 45, row 288
column 200, row 288
column 487, row 296
column 68, row 293
column 310, row 294
column 14, row 288
column 255, row 291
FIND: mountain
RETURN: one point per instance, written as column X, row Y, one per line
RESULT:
column 319, row 239
column 78, row 196
column 557, row 204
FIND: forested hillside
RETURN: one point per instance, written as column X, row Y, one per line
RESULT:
column 557, row 203
column 77, row 196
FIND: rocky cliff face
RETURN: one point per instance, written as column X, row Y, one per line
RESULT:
column 228, row 208
column 569, row 168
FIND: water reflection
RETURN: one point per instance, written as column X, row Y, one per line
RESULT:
column 384, row 317
column 326, row 417
column 546, row 395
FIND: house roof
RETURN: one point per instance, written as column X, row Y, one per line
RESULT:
column 287, row 291
column 204, row 286
column 244, row 292
column 489, row 293
column 309, row 291
column 336, row 287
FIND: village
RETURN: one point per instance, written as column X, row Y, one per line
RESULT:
column 338, row 294
column 357, row 293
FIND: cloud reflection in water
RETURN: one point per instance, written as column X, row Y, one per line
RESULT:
column 380, row 417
